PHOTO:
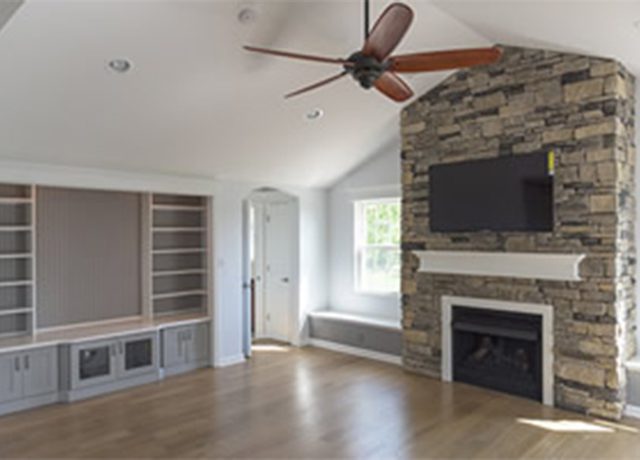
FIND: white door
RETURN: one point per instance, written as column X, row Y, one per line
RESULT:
column 279, row 250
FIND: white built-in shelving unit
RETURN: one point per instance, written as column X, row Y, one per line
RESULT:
column 176, row 257
column 179, row 251
column 17, row 260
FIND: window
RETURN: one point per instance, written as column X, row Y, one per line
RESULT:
column 377, row 245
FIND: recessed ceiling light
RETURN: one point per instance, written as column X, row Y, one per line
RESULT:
column 247, row 15
column 314, row 114
column 120, row 65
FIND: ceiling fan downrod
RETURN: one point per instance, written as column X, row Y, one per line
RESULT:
column 366, row 19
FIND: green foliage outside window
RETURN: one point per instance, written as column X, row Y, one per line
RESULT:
column 379, row 246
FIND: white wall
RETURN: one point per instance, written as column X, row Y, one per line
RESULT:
column 377, row 178
column 228, row 255
column 228, row 198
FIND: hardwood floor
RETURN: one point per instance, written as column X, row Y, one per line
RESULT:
column 310, row 403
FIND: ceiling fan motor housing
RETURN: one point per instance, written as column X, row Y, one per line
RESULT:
column 365, row 69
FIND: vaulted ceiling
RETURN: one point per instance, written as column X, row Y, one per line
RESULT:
column 196, row 104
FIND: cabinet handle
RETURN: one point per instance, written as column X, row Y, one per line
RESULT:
column 120, row 348
column 17, row 363
column 26, row 362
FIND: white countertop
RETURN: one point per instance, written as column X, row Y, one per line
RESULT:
column 97, row 331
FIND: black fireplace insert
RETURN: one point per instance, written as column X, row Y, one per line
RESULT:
column 498, row 350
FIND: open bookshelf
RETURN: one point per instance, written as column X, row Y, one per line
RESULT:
column 17, row 260
column 179, row 248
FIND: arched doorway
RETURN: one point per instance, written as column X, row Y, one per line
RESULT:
column 271, row 278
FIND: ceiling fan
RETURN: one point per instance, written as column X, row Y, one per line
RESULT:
column 373, row 65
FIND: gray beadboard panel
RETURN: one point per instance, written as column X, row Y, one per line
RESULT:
column 88, row 264
column 162, row 218
column 15, row 242
column 178, row 199
column 15, row 269
column 15, row 191
column 15, row 297
column 15, row 214
column 11, row 324
column 178, row 261
column 168, row 240
column 176, row 283
column 633, row 387
column 178, row 304
column 357, row 335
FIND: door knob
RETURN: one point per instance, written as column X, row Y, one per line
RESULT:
column 285, row 279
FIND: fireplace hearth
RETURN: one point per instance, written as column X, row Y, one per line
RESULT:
column 498, row 350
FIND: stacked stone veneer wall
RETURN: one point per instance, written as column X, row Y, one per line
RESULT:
column 580, row 107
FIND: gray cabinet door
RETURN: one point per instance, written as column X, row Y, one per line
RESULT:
column 93, row 363
column 138, row 354
column 198, row 345
column 40, row 371
column 174, row 350
column 10, row 377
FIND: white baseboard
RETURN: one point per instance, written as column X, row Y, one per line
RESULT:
column 361, row 352
column 632, row 411
column 230, row 360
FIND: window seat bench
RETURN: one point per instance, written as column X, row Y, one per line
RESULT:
column 366, row 336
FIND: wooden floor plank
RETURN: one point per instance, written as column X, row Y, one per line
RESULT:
column 310, row 403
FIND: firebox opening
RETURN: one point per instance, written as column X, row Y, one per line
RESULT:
column 498, row 350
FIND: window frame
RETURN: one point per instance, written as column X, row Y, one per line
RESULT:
column 359, row 244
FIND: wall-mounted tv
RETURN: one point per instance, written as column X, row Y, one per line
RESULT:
column 510, row 193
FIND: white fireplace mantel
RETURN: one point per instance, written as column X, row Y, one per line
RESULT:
column 531, row 265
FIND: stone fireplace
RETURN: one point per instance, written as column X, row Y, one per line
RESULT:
column 582, row 273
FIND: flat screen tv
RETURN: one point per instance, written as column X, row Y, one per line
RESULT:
column 513, row 193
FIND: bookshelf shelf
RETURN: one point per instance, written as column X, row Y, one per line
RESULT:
column 178, row 264
column 17, row 259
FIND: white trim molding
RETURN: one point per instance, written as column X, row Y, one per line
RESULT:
column 632, row 411
column 20, row 172
column 229, row 360
column 376, row 191
column 546, row 311
column 355, row 351
column 531, row 265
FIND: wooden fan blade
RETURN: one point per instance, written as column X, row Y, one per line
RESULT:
column 326, row 81
column 388, row 30
column 444, row 60
column 393, row 87
column 304, row 57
